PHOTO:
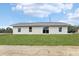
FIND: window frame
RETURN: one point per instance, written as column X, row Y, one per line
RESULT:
column 19, row 29
column 30, row 29
column 60, row 29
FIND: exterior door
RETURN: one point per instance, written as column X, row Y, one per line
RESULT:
column 45, row 29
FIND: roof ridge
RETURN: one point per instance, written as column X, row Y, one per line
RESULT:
column 41, row 24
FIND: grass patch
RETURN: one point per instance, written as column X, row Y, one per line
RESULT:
column 62, row 39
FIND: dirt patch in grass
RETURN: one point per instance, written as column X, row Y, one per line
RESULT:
column 39, row 50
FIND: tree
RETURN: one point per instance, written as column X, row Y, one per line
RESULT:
column 72, row 29
column 2, row 30
column 8, row 30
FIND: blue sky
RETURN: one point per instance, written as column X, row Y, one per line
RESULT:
column 38, row 12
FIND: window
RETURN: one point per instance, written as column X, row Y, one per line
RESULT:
column 46, row 30
column 30, row 29
column 60, row 29
column 19, row 29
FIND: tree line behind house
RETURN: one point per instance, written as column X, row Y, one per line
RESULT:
column 6, row 30
column 71, row 29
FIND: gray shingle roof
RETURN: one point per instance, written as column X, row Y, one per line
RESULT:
column 41, row 24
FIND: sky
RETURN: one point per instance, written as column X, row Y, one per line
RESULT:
column 11, row 13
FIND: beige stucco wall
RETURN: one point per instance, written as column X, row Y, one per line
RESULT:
column 78, row 30
column 39, row 30
column 55, row 30
column 25, row 30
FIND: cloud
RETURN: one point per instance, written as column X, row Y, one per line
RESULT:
column 72, row 22
column 74, row 15
column 68, row 6
column 72, row 18
column 42, row 9
column 69, row 21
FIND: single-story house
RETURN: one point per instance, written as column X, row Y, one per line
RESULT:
column 78, row 30
column 40, row 28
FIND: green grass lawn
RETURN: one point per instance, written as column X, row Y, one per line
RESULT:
column 62, row 39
